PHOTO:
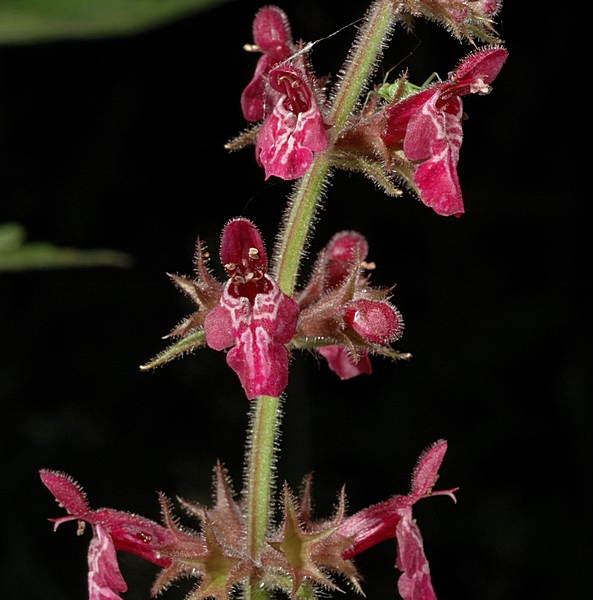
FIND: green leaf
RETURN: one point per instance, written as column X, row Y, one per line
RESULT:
column 26, row 21
column 16, row 255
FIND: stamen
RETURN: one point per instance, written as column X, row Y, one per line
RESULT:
column 81, row 526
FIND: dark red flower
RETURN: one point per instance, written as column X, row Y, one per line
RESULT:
column 253, row 314
column 393, row 519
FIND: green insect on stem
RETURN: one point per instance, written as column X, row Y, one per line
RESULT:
column 403, row 88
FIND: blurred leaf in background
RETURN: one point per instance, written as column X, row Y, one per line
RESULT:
column 16, row 255
column 28, row 21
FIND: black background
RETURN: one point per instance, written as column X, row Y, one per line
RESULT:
column 119, row 143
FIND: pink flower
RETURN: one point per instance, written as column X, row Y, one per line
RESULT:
column 427, row 126
column 112, row 530
column 253, row 314
column 339, row 306
column 393, row 519
column 294, row 129
column 272, row 36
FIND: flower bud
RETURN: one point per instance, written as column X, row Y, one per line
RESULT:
column 375, row 322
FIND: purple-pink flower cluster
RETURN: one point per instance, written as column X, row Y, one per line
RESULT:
column 342, row 313
column 338, row 313
column 415, row 138
column 216, row 553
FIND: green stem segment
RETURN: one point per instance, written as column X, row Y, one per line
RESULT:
column 298, row 221
column 265, row 423
column 362, row 60
column 261, row 447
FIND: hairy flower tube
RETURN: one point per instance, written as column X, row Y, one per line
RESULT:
column 299, row 557
column 341, row 314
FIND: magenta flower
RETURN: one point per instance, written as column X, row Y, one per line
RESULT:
column 272, row 36
column 253, row 314
column 393, row 519
column 294, row 129
column 340, row 308
column 112, row 530
column 427, row 126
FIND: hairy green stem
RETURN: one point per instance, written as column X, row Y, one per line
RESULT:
column 362, row 61
column 298, row 221
column 260, row 469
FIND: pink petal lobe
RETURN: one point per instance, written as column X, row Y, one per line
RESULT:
column 105, row 579
column 67, row 491
column 439, row 133
column 238, row 237
column 398, row 116
column 427, row 469
column 340, row 362
column 484, row 64
column 271, row 29
column 252, row 98
column 414, row 582
column 218, row 325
